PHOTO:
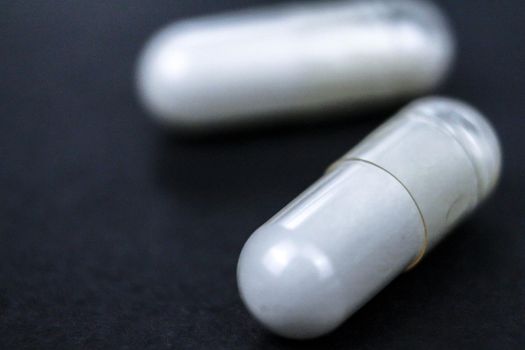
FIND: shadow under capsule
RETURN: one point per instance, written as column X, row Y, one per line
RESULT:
column 276, row 125
column 258, row 158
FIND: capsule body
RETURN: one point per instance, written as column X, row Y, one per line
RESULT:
column 373, row 215
column 249, row 66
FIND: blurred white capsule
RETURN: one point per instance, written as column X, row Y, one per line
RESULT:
column 374, row 214
column 263, row 64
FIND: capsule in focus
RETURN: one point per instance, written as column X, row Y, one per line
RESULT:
column 373, row 215
column 277, row 63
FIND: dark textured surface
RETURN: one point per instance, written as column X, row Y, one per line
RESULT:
column 115, row 235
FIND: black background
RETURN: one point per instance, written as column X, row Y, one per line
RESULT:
column 114, row 234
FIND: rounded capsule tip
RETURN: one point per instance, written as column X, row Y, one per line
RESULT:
column 163, row 77
column 290, row 285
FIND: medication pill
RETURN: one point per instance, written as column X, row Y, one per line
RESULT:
column 373, row 215
column 281, row 62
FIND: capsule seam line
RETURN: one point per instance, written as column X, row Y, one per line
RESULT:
column 423, row 249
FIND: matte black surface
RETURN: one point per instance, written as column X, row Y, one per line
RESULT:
column 116, row 235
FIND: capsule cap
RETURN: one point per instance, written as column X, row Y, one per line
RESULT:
column 471, row 130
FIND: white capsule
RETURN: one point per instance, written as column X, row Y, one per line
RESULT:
column 253, row 65
column 372, row 216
